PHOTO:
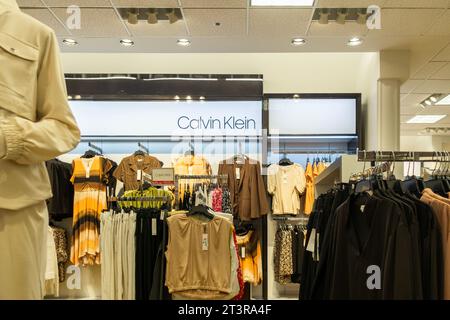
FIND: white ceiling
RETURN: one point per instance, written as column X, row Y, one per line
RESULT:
column 422, row 25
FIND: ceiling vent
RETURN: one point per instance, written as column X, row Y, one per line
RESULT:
column 150, row 15
column 340, row 15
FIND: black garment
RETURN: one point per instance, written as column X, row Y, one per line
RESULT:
column 60, row 206
column 298, row 252
column 147, row 244
column 367, row 231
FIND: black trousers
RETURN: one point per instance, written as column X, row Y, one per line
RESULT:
column 149, row 235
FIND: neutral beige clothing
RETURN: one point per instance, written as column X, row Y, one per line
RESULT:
column 23, row 252
column 286, row 184
column 442, row 211
column 51, row 268
column 190, row 264
column 36, row 123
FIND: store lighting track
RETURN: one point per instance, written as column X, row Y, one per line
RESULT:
column 310, row 137
column 183, row 79
column 282, row 3
column 105, row 78
column 244, row 79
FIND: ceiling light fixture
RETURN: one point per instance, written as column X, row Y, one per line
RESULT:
column 133, row 16
column 355, row 41
column 426, row 119
column 422, row 105
column 69, row 97
column 323, row 16
column 172, row 16
column 282, row 3
column 184, row 42
column 202, row 98
column 428, row 102
column 188, row 98
column 298, row 41
column 177, row 97
column 70, row 42
column 444, row 101
column 433, row 99
column 341, row 16
column 152, row 16
column 362, row 17
column 296, row 96
column 127, row 42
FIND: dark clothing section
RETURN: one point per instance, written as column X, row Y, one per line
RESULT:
column 149, row 236
column 298, row 253
column 60, row 206
column 376, row 245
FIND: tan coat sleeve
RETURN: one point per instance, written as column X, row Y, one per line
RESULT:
column 55, row 132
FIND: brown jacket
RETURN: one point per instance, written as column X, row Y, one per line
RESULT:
column 248, row 194
column 129, row 166
column 36, row 123
column 442, row 210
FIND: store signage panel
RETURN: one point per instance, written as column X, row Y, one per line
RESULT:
column 160, row 118
column 312, row 116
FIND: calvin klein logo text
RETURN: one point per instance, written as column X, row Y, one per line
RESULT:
column 201, row 123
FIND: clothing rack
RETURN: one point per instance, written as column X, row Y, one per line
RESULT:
column 302, row 220
column 403, row 156
column 310, row 152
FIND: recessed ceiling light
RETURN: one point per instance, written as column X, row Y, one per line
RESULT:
column 298, row 41
column 355, row 41
column 426, row 119
column 177, row 97
column 444, row 102
column 283, row 3
column 433, row 99
column 202, row 98
column 428, row 102
column 69, row 97
column 296, row 96
column 77, row 97
column 188, row 98
column 184, row 42
column 127, row 42
column 70, row 42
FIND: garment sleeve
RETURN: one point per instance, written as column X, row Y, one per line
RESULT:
column 271, row 179
column 300, row 179
column 119, row 172
column 55, row 132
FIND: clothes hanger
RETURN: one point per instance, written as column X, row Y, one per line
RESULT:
column 412, row 184
column 285, row 161
column 201, row 210
column 436, row 183
column 365, row 184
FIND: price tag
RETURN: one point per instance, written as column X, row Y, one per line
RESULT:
column 238, row 173
column 362, row 208
column 161, row 217
column 205, row 243
column 139, row 175
column 243, row 252
column 312, row 238
column 154, row 231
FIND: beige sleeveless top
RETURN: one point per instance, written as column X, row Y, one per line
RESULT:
column 198, row 254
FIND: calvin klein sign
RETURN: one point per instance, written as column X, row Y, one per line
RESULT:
column 169, row 118
column 231, row 123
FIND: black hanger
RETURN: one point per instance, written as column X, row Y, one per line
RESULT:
column 90, row 154
column 139, row 153
column 285, row 161
column 365, row 185
column 201, row 210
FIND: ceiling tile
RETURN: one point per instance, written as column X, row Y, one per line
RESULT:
column 444, row 55
column 46, row 17
column 442, row 26
column 443, row 73
column 333, row 29
column 433, row 86
column 80, row 3
column 202, row 22
column 30, row 3
column 413, row 100
column 347, row 3
column 410, row 85
column 161, row 29
column 410, row 110
column 415, row 4
column 286, row 22
column 96, row 22
column 214, row 3
column 406, row 22
column 145, row 3
column 428, row 70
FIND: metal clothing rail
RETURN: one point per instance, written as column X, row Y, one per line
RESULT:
column 404, row 156
column 197, row 177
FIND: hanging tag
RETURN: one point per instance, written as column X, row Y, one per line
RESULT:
column 154, row 227
column 312, row 238
column 362, row 208
column 139, row 175
column 243, row 252
column 161, row 216
column 238, row 173
column 205, row 243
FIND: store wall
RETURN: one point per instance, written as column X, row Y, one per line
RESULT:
column 283, row 72
column 424, row 143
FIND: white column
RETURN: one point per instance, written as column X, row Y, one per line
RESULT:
column 388, row 128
